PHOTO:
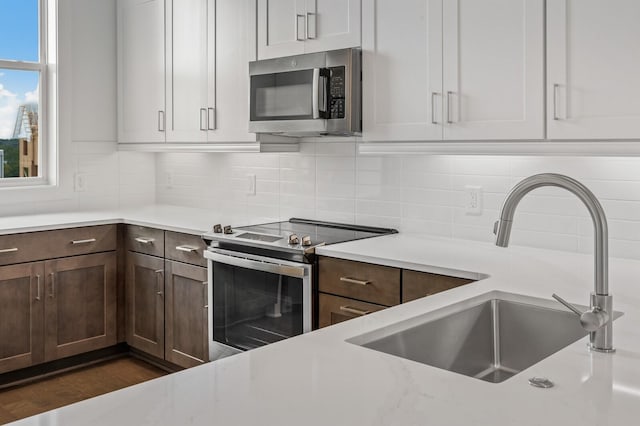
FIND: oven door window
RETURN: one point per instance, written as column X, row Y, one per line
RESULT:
column 282, row 96
column 254, row 308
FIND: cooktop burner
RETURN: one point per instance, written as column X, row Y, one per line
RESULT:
column 295, row 238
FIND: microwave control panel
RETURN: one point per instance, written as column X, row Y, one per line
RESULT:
column 337, row 90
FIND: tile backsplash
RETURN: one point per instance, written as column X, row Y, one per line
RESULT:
column 414, row 193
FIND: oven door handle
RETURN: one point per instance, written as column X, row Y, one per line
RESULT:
column 273, row 268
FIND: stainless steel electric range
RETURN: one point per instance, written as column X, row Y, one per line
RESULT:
column 261, row 279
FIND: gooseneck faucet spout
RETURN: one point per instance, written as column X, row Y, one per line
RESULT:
column 601, row 301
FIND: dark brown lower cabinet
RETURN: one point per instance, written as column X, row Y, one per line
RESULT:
column 80, row 304
column 335, row 309
column 185, row 314
column 21, row 316
column 145, row 303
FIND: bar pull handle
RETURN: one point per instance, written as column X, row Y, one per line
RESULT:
column 354, row 281
column 161, row 121
column 187, row 249
column 211, row 119
column 556, row 92
column 37, row 286
column 354, row 311
column 9, row 250
column 53, row 285
column 433, row 107
column 143, row 240
column 449, row 120
column 308, row 23
column 87, row 241
column 205, row 284
column 298, row 17
column 159, row 272
column 203, row 119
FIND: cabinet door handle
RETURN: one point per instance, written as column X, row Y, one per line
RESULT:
column 203, row 119
column 9, row 250
column 556, row 88
column 159, row 272
column 53, row 285
column 143, row 240
column 354, row 281
column 87, row 241
column 205, row 284
column 211, row 119
column 298, row 17
column 355, row 311
column 37, row 286
column 433, row 107
column 449, row 120
column 187, row 249
column 161, row 121
column 315, row 23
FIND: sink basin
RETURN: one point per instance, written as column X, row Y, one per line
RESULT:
column 491, row 337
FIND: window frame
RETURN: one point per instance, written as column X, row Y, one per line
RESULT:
column 45, row 136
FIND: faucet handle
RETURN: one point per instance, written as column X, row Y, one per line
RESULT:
column 590, row 320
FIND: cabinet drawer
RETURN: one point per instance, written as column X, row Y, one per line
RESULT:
column 420, row 284
column 28, row 247
column 357, row 280
column 145, row 240
column 335, row 309
column 185, row 248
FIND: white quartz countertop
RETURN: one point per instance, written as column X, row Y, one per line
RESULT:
column 320, row 379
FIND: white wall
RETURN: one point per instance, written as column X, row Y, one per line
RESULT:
column 86, row 72
column 420, row 194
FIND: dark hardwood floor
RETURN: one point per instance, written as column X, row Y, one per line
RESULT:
column 64, row 389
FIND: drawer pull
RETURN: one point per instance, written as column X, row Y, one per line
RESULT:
column 187, row 249
column 143, row 240
column 354, row 310
column 354, row 281
column 87, row 241
column 9, row 250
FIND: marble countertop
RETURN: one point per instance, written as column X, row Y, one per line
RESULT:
column 319, row 378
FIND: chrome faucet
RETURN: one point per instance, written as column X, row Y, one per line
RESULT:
column 598, row 319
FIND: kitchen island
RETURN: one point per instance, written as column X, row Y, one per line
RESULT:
column 319, row 378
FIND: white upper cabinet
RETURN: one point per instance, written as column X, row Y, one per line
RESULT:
column 453, row 70
column 141, row 71
column 402, row 70
column 292, row 27
column 593, row 66
column 187, row 70
column 493, row 61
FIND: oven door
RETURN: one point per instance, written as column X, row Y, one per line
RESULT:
column 255, row 301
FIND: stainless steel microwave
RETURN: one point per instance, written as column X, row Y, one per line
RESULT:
column 307, row 95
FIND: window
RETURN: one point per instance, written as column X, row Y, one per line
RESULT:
column 23, row 73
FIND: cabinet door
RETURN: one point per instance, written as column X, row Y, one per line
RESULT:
column 332, row 24
column 231, row 47
column 493, row 69
column 187, row 70
column 145, row 303
column 334, row 309
column 186, row 314
column 402, row 70
column 141, row 71
column 281, row 28
column 593, row 90
column 21, row 316
column 80, row 304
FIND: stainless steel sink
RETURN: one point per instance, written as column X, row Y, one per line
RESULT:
column 491, row 337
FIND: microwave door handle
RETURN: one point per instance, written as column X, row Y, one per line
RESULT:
column 315, row 97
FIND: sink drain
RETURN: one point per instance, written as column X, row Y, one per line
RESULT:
column 541, row 382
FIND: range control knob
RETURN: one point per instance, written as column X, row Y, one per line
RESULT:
column 217, row 228
column 306, row 240
column 293, row 239
column 227, row 230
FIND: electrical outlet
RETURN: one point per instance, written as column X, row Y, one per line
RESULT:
column 473, row 204
column 80, row 182
column 251, row 184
